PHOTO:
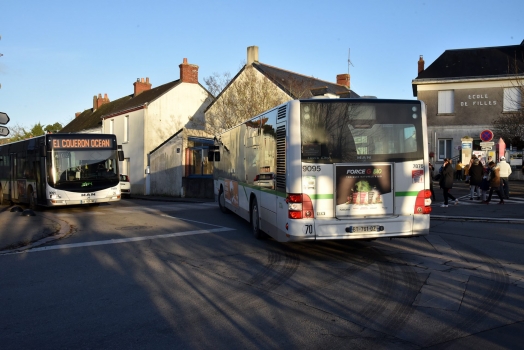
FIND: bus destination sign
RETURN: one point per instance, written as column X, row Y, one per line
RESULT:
column 81, row 143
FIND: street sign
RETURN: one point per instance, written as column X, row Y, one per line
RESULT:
column 4, row 118
column 4, row 131
column 486, row 135
column 487, row 144
column 488, row 148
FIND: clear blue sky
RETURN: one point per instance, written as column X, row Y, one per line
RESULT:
column 58, row 54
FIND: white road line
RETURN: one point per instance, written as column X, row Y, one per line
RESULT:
column 125, row 240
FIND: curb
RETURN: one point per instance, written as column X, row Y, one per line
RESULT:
column 478, row 219
column 65, row 230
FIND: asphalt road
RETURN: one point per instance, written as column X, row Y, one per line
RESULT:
column 145, row 274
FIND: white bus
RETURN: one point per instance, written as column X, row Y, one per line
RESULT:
column 60, row 169
column 322, row 169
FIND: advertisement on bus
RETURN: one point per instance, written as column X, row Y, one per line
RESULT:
column 364, row 190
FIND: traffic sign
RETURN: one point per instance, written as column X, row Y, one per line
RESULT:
column 486, row 135
column 486, row 148
column 4, row 118
column 4, row 131
column 487, row 144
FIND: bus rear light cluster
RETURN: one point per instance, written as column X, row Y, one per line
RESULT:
column 299, row 206
column 423, row 202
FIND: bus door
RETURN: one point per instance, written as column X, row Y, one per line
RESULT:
column 40, row 180
column 13, row 191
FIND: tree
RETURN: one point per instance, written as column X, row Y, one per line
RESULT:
column 510, row 124
column 18, row 132
column 250, row 94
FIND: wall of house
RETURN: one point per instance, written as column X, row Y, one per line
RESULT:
column 133, row 148
column 167, row 169
column 476, row 105
column 169, row 113
column 213, row 110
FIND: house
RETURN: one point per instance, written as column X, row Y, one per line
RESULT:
column 145, row 119
column 179, row 166
column 465, row 90
column 269, row 84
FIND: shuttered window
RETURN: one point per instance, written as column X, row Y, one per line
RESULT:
column 446, row 101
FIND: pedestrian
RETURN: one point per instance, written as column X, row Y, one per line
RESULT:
column 446, row 182
column 458, row 170
column 484, row 187
column 494, row 183
column 466, row 172
column 505, row 172
column 431, row 172
column 476, row 172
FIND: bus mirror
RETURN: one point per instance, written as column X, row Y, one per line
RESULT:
column 121, row 155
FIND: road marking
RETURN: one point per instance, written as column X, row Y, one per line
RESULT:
column 125, row 240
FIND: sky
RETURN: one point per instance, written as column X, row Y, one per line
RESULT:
column 56, row 55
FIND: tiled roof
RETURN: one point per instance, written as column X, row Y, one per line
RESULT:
column 476, row 62
column 291, row 83
column 285, row 80
column 90, row 119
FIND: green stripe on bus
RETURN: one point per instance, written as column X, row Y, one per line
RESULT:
column 406, row 194
column 321, row 196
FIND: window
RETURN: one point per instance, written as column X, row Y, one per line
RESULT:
column 126, row 129
column 444, row 149
column 446, row 101
column 512, row 99
column 111, row 126
column 196, row 157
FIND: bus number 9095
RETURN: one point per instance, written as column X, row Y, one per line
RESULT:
column 308, row 168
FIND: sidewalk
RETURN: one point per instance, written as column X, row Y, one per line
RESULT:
column 475, row 210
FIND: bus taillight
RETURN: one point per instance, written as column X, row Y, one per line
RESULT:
column 423, row 202
column 299, row 206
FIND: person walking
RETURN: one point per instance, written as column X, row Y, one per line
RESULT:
column 505, row 172
column 494, row 183
column 476, row 172
column 446, row 182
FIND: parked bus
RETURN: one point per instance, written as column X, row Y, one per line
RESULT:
column 60, row 169
column 322, row 169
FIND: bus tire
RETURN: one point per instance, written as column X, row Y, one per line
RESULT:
column 222, row 201
column 32, row 199
column 255, row 220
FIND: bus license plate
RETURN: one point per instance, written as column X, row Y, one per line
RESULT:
column 370, row 228
column 88, row 201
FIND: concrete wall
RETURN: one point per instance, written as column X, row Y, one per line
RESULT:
column 167, row 168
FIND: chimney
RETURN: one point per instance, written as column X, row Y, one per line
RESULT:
column 77, row 114
column 420, row 64
column 141, row 86
column 343, row 79
column 99, row 101
column 252, row 55
column 188, row 72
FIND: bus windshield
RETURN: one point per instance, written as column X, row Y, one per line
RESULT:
column 342, row 131
column 82, row 170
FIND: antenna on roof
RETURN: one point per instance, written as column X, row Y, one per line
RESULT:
column 349, row 60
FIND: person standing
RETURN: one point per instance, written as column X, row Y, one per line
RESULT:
column 476, row 172
column 458, row 171
column 505, row 172
column 494, row 182
column 446, row 182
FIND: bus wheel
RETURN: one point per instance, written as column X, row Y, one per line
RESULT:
column 32, row 199
column 222, row 201
column 255, row 221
